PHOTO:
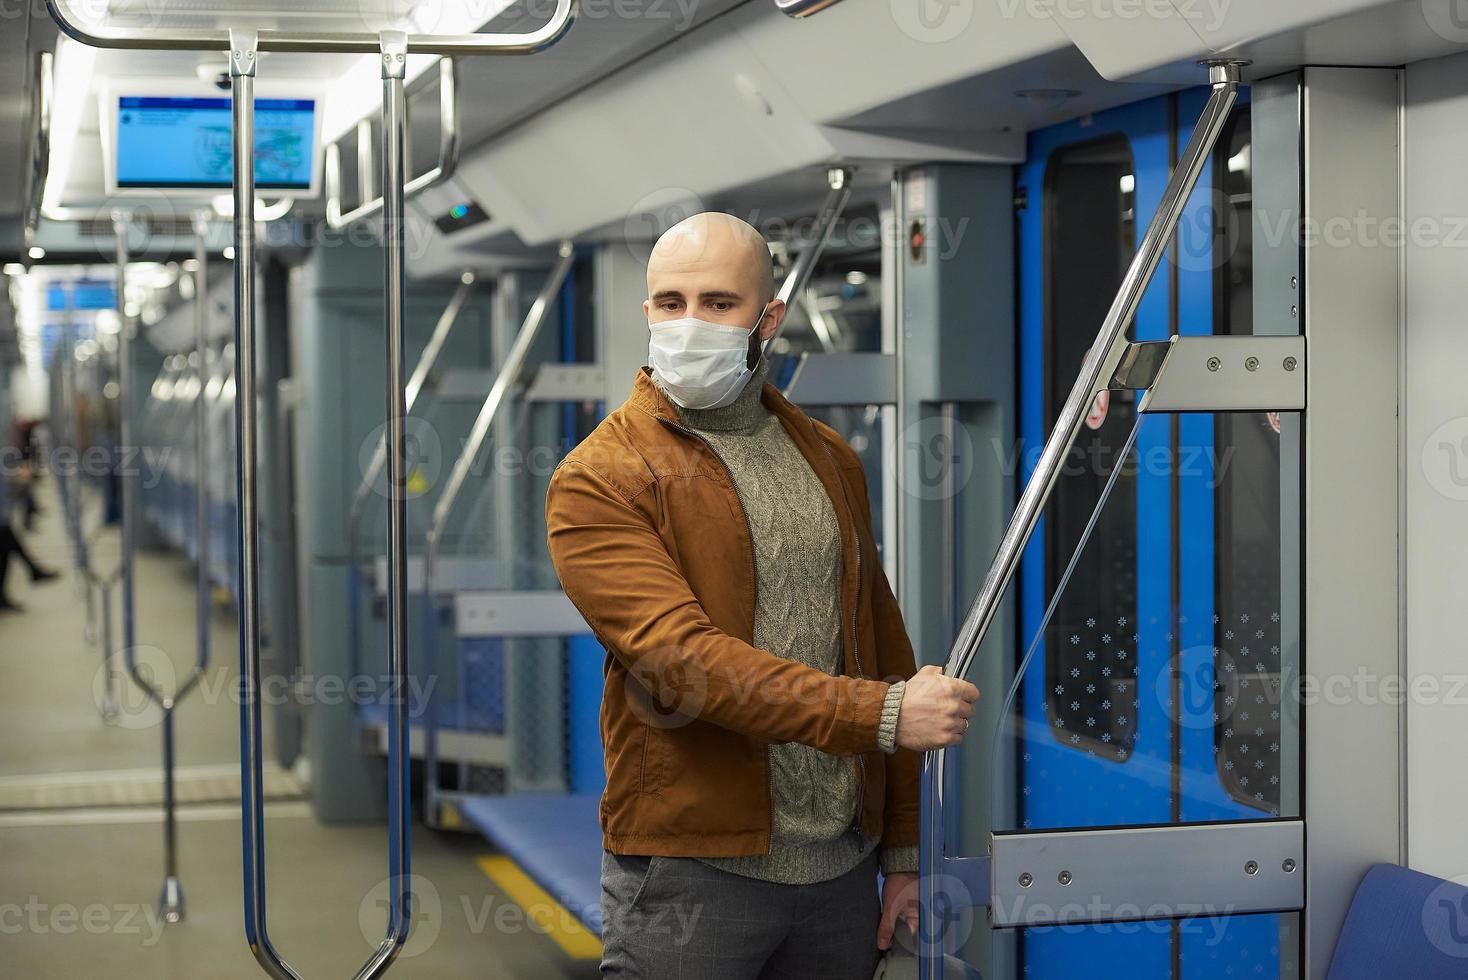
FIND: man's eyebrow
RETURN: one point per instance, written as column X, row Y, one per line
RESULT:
column 663, row 294
column 725, row 294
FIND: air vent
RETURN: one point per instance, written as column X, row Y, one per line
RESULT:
column 159, row 226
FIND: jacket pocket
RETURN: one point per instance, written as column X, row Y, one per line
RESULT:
column 650, row 780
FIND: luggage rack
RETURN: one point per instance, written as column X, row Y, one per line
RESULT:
column 244, row 47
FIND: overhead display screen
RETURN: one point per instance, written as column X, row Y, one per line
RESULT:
column 185, row 142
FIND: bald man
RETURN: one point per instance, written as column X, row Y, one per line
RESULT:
column 762, row 718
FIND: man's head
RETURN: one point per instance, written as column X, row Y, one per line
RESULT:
column 715, row 267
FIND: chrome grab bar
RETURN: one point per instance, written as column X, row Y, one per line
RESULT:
column 802, row 8
column 448, row 156
column 1097, row 371
column 839, row 180
column 312, row 42
column 426, row 361
column 441, row 331
column 508, row 375
column 40, row 144
column 171, row 901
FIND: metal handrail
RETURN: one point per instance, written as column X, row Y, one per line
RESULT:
column 243, row 48
column 509, row 374
column 312, row 42
column 416, row 381
column 802, row 8
column 41, row 144
column 426, row 361
column 839, row 180
column 1096, row 374
column 171, row 900
column 448, row 156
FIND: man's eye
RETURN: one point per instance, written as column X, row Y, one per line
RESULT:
column 722, row 307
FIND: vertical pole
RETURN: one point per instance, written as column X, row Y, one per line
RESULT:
column 124, row 431
column 202, row 607
column 242, row 58
column 394, row 126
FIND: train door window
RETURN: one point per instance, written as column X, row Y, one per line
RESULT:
column 1090, row 643
column 1247, row 634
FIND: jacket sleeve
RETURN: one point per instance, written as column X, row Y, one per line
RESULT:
column 615, row 568
column 901, row 820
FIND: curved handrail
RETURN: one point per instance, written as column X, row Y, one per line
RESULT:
column 839, row 180
column 315, row 42
column 426, row 361
column 448, row 157
column 802, row 8
column 508, row 375
column 1096, row 373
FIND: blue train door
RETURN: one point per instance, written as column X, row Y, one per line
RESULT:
column 1150, row 695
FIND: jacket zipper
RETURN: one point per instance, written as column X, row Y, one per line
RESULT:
column 861, row 767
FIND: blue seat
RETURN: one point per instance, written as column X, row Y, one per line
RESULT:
column 555, row 838
column 1403, row 923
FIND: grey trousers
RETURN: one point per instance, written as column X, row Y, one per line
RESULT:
column 670, row 918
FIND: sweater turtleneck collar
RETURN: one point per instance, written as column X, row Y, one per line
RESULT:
column 740, row 415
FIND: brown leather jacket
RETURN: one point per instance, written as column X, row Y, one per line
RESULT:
column 653, row 546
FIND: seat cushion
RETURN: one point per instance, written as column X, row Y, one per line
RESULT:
column 555, row 838
column 1403, row 923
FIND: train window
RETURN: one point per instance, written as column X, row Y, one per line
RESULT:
column 1247, row 633
column 1090, row 643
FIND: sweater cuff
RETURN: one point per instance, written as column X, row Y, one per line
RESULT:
column 891, row 708
column 899, row 860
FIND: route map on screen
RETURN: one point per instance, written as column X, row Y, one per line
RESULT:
column 186, row 142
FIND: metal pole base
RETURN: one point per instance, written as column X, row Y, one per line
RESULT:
column 171, row 901
column 110, row 709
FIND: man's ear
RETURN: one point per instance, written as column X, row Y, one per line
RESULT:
column 647, row 310
column 774, row 316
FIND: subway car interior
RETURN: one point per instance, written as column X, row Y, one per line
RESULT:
column 1143, row 318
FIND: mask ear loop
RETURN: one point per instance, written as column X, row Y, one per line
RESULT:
column 756, row 345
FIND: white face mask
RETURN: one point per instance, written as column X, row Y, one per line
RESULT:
column 701, row 364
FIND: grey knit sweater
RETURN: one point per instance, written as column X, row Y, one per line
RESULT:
column 815, row 835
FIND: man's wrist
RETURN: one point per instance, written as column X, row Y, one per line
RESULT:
column 891, row 709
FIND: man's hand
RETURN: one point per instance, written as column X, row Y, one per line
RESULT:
column 899, row 899
column 935, row 710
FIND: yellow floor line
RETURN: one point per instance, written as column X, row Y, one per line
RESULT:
column 548, row 915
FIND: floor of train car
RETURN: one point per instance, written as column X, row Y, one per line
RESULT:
column 81, row 840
